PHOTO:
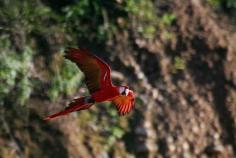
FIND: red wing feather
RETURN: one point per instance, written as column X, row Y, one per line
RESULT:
column 97, row 72
column 124, row 104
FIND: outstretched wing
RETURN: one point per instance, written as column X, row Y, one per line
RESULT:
column 97, row 72
column 124, row 104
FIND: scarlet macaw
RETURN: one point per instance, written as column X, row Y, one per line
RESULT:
column 98, row 80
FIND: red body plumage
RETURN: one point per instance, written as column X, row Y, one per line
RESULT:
column 98, row 80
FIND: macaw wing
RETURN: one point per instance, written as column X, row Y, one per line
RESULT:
column 124, row 104
column 97, row 72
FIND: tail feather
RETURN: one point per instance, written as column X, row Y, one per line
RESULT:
column 76, row 105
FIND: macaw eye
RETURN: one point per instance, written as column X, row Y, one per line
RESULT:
column 123, row 93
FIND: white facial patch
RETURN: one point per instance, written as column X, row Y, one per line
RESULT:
column 126, row 92
column 121, row 90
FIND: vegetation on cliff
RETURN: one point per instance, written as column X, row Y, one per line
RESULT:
column 178, row 56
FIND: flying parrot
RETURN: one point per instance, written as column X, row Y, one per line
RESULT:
column 98, row 80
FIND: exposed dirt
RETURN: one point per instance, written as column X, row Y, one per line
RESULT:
column 190, row 112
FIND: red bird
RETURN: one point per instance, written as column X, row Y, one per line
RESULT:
column 98, row 80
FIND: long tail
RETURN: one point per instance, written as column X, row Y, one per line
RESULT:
column 76, row 105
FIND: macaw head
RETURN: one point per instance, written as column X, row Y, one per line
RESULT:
column 124, row 90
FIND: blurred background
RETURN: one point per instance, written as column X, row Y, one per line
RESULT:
column 178, row 56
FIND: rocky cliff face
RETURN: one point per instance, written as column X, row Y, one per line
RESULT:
column 181, row 68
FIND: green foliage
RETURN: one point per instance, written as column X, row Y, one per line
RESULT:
column 179, row 63
column 34, row 17
column 138, row 100
column 167, row 35
column 144, row 16
column 14, row 73
column 90, row 17
column 112, row 127
column 144, row 10
column 168, row 18
column 85, row 19
column 24, row 88
column 215, row 3
column 228, row 6
column 146, row 20
column 114, row 131
column 65, row 79
column 231, row 4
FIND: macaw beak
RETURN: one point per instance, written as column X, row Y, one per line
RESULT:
column 131, row 93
